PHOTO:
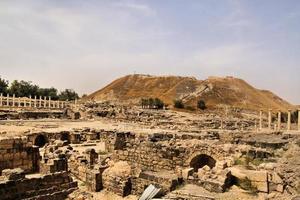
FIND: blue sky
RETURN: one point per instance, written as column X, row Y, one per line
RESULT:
column 86, row 44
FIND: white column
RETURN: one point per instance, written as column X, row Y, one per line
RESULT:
column 1, row 99
column 49, row 102
column 270, row 119
column 7, row 100
column 45, row 102
column 30, row 100
column 35, row 101
column 24, row 101
column 279, row 120
column 289, row 120
column 260, row 119
column 13, row 100
column 19, row 101
column 40, row 102
column 58, row 104
column 62, row 104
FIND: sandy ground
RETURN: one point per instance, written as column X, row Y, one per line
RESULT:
column 19, row 127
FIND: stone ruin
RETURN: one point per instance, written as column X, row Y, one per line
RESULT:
column 54, row 165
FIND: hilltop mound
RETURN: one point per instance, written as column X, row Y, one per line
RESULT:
column 215, row 91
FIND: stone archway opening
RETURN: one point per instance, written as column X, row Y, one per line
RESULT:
column 201, row 160
column 40, row 141
column 65, row 137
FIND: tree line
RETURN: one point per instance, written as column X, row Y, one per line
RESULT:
column 26, row 88
column 156, row 103
column 152, row 103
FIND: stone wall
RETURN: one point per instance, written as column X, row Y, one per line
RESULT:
column 18, row 153
column 155, row 153
column 52, row 186
column 164, row 180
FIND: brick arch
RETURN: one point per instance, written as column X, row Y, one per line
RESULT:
column 40, row 140
column 214, row 152
column 202, row 160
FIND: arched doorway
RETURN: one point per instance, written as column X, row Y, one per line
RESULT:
column 65, row 137
column 40, row 141
column 201, row 160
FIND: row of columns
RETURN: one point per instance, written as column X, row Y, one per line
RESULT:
column 36, row 103
column 278, row 125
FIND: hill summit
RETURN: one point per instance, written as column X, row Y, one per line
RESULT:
column 215, row 91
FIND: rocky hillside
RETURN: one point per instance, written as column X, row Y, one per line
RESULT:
column 215, row 91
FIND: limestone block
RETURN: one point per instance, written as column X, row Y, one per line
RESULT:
column 13, row 174
column 187, row 172
column 206, row 168
column 257, row 178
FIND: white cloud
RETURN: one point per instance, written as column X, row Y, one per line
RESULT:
column 138, row 7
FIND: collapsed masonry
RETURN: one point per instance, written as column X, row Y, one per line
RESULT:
column 126, row 162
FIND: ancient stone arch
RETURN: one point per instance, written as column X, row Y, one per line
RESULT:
column 201, row 160
column 40, row 140
column 204, row 155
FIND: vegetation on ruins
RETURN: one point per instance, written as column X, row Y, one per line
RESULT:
column 151, row 103
column 178, row 104
column 247, row 185
column 201, row 104
column 26, row 88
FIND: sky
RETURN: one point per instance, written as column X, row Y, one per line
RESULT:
column 86, row 44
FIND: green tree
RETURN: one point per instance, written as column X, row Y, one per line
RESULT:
column 178, row 104
column 23, row 88
column 3, row 86
column 68, row 94
column 158, row 104
column 201, row 105
column 48, row 92
column 143, row 103
column 151, row 103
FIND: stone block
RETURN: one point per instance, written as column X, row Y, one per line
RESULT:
column 13, row 174
column 187, row 172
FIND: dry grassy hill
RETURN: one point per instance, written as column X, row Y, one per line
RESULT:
column 215, row 91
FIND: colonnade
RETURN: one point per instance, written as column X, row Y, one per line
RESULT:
column 277, row 126
column 36, row 102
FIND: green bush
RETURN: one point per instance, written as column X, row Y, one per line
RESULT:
column 201, row 105
column 152, row 103
column 178, row 104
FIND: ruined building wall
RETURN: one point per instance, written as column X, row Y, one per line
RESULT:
column 159, row 152
column 51, row 186
column 18, row 153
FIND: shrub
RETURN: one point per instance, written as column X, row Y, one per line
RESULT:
column 178, row 104
column 152, row 103
column 158, row 104
column 201, row 105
